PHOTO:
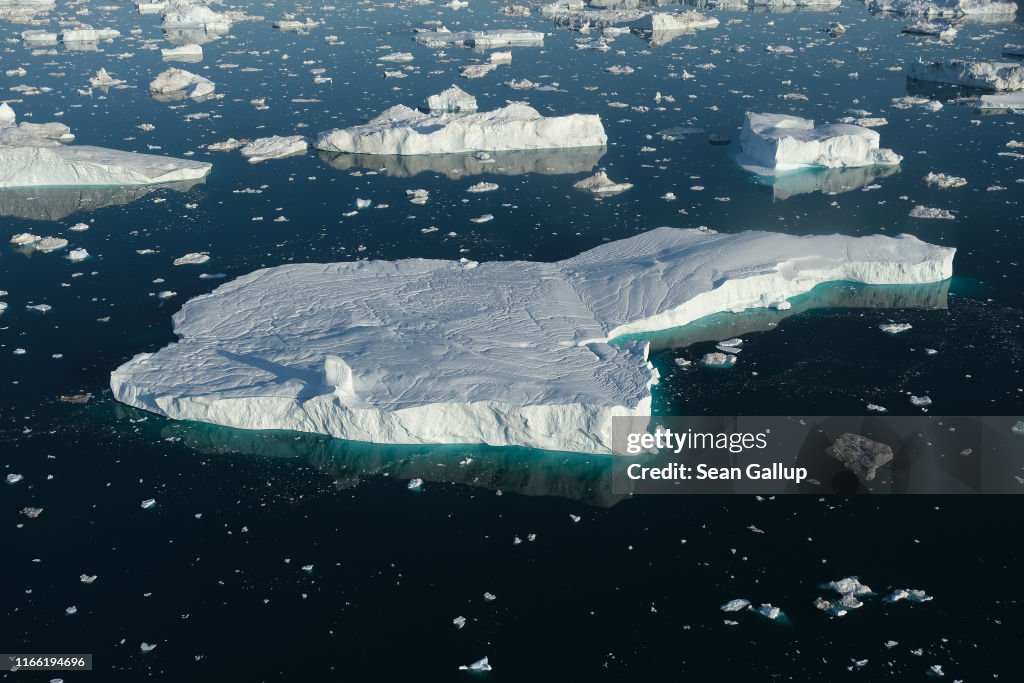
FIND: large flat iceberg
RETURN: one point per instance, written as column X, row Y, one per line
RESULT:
column 35, row 155
column 502, row 353
column 972, row 74
column 778, row 142
column 402, row 130
column 943, row 8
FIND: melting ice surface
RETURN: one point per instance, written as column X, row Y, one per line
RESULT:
column 502, row 353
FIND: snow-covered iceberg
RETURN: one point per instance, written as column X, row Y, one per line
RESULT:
column 969, row 73
column 35, row 155
column 24, row 11
column 480, row 39
column 187, row 14
column 943, row 8
column 503, row 353
column 676, row 21
column 773, row 143
column 176, row 84
column 402, row 130
column 454, row 99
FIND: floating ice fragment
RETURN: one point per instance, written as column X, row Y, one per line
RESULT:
column 415, row 484
column 599, row 183
column 146, row 647
column 718, row 360
column 920, row 211
column 482, row 187
column 192, row 259
column 860, row 455
column 177, row 83
column 148, row 503
column 973, row 74
column 459, row 622
column 86, row 579
column 14, row 478
column 920, row 401
column 943, row 181
column 895, row 328
column 479, row 665
column 274, row 147
column 78, row 255
column 769, row 611
column 735, row 605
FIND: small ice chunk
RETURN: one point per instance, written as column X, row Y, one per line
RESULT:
column 148, row 503
column 735, row 605
column 860, row 455
column 479, row 665
column 415, row 484
column 192, row 259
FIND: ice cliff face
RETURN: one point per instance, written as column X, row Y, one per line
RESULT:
column 402, row 130
column 35, row 155
column 503, row 353
column 943, row 8
column 778, row 142
column 984, row 75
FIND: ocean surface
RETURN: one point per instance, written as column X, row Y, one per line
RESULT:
column 217, row 573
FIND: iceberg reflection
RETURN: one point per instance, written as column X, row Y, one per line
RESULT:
column 828, row 180
column 57, row 203
column 454, row 166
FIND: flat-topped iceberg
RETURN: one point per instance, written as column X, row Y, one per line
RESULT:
column 676, row 21
column 503, row 353
column 972, row 74
column 480, row 39
column 1010, row 101
column 402, row 130
column 779, row 142
column 943, row 8
column 35, row 155
column 187, row 14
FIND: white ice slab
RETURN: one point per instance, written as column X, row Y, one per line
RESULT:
column 504, row 353
column 973, row 74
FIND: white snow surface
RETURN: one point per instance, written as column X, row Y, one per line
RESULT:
column 402, row 130
column 973, row 74
column 779, row 142
column 180, row 83
column 677, row 21
column 186, row 14
column 454, row 99
column 502, row 353
column 33, row 155
column 274, row 147
column 943, row 8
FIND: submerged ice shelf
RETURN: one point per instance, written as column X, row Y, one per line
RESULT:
column 33, row 155
column 502, row 353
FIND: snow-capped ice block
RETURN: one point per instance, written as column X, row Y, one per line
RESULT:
column 677, row 21
column 777, row 142
column 402, row 130
column 480, row 39
column 454, row 99
column 186, row 14
column 943, row 8
column 503, row 353
column 174, row 84
column 972, row 74
column 34, row 155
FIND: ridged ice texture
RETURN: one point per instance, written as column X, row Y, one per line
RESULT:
column 405, row 131
column 985, row 75
column 943, row 8
column 32, row 156
column 778, row 142
column 503, row 353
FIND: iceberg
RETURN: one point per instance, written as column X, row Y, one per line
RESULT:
column 507, row 353
column 480, row 39
column 403, row 131
column 454, row 99
column 676, row 21
column 943, row 8
column 24, row 11
column 35, row 155
column 176, row 84
column 779, row 142
column 183, row 53
column 972, row 74
column 1009, row 101
column 274, row 147
column 186, row 14
column 87, row 34
column 601, row 184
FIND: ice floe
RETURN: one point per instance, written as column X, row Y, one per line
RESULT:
column 35, row 155
column 504, row 352
column 176, row 84
column 779, row 142
column 274, row 147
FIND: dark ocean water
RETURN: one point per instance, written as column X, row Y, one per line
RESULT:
column 213, row 574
